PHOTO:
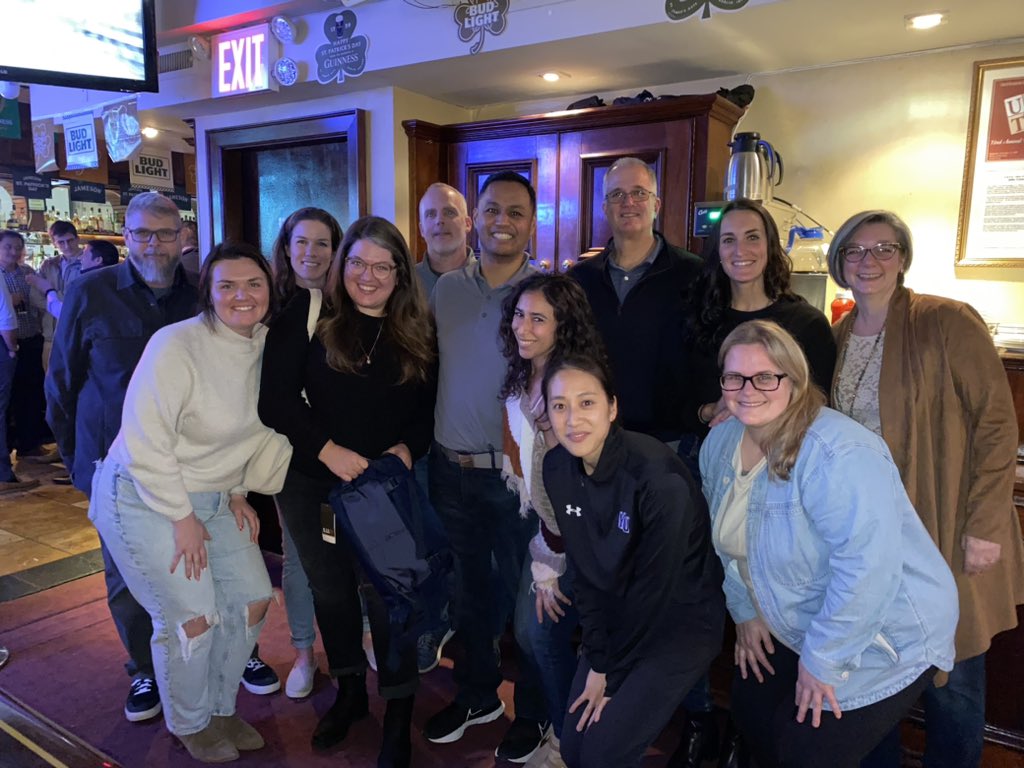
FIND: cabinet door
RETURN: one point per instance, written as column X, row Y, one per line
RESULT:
column 535, row 157
column 585, row 159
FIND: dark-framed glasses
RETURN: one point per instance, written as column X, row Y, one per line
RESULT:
column 145, row 235
column 882, row 251
column 638, row 195
column 381, row 270
column 762, row 382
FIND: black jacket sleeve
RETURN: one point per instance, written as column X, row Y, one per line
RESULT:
column 419, row 433
column 69, row 362
column 281, row 404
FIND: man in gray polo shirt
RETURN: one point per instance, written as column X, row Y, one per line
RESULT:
column 444, row 224
column 480, row 513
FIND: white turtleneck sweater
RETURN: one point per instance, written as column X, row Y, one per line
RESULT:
column 189, row 422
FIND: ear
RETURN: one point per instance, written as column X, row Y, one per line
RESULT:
column 657, row 205
column 468, row 223
column 614, row 410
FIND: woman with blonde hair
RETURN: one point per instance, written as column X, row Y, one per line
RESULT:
column 842, row 604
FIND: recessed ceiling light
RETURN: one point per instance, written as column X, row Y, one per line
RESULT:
column 150, row 132
column 921, row 21
column 554, row 77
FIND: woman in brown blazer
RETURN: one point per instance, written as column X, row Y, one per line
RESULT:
column 922, row 372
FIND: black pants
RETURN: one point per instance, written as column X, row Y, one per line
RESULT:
column 26, row 414
column 134, row 626
column 334, row 580
column 765, row 714
column 651, row 692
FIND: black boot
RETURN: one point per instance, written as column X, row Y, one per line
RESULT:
column 699, row 742
column 351, row 705
column 395, row 744
column 734, row 753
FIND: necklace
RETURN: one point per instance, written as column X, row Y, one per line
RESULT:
column 867, row 364
column 369, row 355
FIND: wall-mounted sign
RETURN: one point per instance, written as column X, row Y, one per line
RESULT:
column 475, row 18
column 80, row 141
column 42, row 145
column 241, row 61
column 345, row 52
column 152, row 169
column 10, row 119
column 681, row 9
column 121, row 129
column 183, row 201
column 30, row 185
column 87, row 192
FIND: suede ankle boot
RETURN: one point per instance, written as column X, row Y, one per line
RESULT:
column 209, row 745
column 351, row 704
column 396, row 744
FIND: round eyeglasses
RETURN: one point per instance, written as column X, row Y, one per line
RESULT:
column 380, row 270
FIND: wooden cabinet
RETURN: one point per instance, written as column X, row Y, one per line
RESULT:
column 566, row 154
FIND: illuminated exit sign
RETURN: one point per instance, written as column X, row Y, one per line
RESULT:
column 241, row 61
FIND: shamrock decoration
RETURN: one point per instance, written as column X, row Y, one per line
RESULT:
column 344, row 53
column 680, row 9
column 477, row 17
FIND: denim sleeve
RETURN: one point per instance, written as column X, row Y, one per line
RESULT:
column 737, row 596
column 855, row 501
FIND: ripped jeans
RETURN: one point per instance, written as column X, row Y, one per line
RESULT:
column 198, row 665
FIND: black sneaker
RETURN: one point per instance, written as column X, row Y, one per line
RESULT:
column 450, row 723
column 143, row 700
column 522, row 739
column 258, row 678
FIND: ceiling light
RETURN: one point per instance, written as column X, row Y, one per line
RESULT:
column 926, row 20
column 150, row 132
column 283, row 29
column 554, row 77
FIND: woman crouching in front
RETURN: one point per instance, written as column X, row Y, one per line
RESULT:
column 169, row 500
column 647, row 585
column 842, row 603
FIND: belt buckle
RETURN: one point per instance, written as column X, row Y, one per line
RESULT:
column 466, row 460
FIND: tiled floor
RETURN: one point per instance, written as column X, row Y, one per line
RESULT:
column 45, row 536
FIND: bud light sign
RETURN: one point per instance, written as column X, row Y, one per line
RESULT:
column 151, row 169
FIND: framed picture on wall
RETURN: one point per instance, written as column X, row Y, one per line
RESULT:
column 990, row 232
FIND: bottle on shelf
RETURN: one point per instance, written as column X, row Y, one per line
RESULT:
column 841, row 304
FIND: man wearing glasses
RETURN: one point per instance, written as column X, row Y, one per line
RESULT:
column 108, row 317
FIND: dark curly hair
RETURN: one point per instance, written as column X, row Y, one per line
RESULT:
column 711, row 294
column 575, row 331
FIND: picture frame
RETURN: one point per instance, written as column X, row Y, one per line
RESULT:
column 990, row 229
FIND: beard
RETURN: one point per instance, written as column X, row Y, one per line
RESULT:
column 155, row 269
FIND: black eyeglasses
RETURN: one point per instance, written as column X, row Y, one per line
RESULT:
column 882, row 251
column 762, row 382
column 145, row 235
column 638, row 195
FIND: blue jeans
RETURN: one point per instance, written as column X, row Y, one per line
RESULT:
column 197, row 676
column 298, row 597
column 481, row 516
column 954, row 722
column 7, row 366
column 547, row 645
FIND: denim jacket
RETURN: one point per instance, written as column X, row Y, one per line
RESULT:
column 842, row 568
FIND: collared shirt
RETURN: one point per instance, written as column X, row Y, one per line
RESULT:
column 29, row 314
column 109, row 316
column 623, row 280
column 468, row 413
column 428, row 277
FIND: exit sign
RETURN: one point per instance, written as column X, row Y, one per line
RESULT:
column 241, row 61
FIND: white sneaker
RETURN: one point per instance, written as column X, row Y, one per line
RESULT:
column 300, row 681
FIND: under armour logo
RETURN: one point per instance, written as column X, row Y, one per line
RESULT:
column 623, row 522
column 571, row 510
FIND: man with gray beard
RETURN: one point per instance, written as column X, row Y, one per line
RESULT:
column 108, row 317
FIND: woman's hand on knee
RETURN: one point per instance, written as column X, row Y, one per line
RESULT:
column 593, row 698
column 753, row 644
column 190, row 537
column 811, row 694
column 244, row 513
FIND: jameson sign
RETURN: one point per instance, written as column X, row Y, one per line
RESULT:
column 87, row 192
column 345, row 52
column 476, row 18
column 151, row 169
column 678, row 10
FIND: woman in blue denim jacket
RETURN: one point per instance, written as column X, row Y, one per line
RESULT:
column 842, row 603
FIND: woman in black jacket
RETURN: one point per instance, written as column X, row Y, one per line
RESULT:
column 363, row 386
column 648, row 586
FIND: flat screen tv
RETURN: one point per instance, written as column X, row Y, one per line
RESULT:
column 104, row 45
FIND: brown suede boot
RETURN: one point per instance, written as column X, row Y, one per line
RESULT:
column 209, row 745
column 238, row 732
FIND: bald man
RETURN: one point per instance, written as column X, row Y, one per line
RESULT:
column 444, row 224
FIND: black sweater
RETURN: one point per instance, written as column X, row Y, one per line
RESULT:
column 805, row 323
column 638, row 535
column 366, row 412
column 643, row 335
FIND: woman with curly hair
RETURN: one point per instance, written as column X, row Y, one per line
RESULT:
column 545, row 318
column 369, row 377
column 745, row 277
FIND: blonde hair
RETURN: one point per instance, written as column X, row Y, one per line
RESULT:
column 782, row 438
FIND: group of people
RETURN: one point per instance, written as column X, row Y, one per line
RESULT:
column 619, row 455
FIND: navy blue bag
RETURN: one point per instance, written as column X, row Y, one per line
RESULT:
column 400, row 542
